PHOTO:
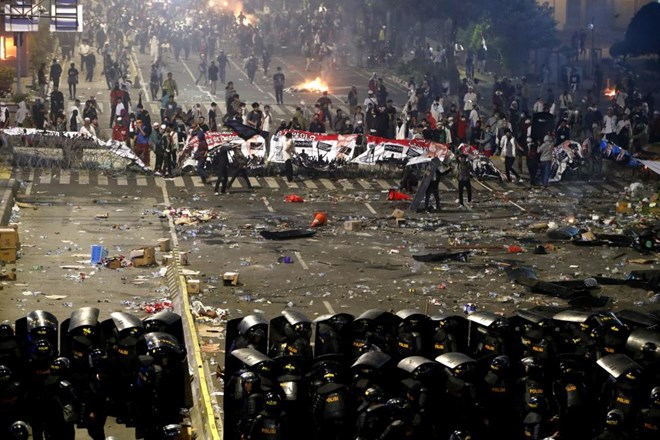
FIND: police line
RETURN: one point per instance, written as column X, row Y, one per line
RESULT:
column 384, row 375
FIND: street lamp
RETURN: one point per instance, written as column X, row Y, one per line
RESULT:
column 593, row 44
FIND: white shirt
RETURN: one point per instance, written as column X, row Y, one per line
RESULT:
column 474, row 117
column 265, row 121
column 609, row 124
column 88, row 131
column 401, row 131
column 469, row 99
column 538, row 107
column 437, row 110
column 565, row 101
column 507, row 145
column 368, row 100
column 287, row 149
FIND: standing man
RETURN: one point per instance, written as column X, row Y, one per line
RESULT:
column 545, row 159
column 156, row 145
column 432, row 189
column 202, row 69
column 170, row 86
column 464, row 174
column 222, row 65
column 221, row 167
column 141, row 148
column 251, row 68
column 83, row 50
column 55, row 73
column 41, row 78
column 213, row 114
column 288, row 150
column 255, row 116
column 90, row 63
column 240, row 164
column 202, row 150
column 56, row 104
column 72, row 80
column 278, row 83
column 213, row 77
column 508, row 147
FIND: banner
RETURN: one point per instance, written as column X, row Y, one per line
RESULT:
column 254, row 149
column 383, row 150
column 315, row 150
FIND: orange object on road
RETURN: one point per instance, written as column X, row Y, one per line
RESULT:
column 293, row 198
column 514, row 249
column 320, row 219
column 398, row 195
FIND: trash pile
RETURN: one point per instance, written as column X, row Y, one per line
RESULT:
column 189, row 216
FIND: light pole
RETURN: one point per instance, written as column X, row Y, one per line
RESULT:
column 592, row 27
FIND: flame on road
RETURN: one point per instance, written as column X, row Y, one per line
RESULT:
column 609, row 92
column 315, row 85
column 235, row 8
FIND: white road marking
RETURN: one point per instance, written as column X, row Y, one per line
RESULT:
column 122, row 181
column 65, row 177
column 178, row 182
column 141, row 181
column 383, row 184
column 326, row 183
column 45, row 178
column 28, row 190
column 83, row 177
column 346, row 184
column 272, row 183
column 328, row 307
column 310, row 184
column 103, row 180
column 370, row 208
column 254, row 182
column 302, row 262
column 364, row 184
column 268, row 207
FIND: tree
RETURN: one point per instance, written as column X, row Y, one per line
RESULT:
column 642, row 35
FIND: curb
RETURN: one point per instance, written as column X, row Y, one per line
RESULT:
column 8, row 198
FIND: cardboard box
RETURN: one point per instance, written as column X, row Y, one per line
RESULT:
column 193, row 287
column 166, row 260
column 164, row 244
column 113, row 263
column 399, row 222
column 398, row 213
column 8, row 255
column 352, row 225
column 144, row 256
column 230, row 278
column 8, row 238
column 183, row 258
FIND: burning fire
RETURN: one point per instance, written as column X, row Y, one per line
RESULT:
column 236, row 9
column 609, row 92
column 315, row 85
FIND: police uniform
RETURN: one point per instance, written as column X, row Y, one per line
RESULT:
column 331, row 410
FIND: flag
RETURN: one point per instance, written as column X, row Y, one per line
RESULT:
column 243, row 131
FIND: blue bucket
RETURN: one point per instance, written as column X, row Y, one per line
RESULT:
column 98, row 253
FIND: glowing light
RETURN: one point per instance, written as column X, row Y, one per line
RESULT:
column 236, row 9
column 315, row 85
column 611, row 93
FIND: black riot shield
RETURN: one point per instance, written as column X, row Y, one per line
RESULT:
column 419, row 368
column 371, row 368
column 290, row 377
column 412, row 336
column 332, row 334
column 250, row 331
column 542, row 124
column 643, row 345
column 254, row 360
column 617, row 365
column 290, row 334
column 636, row 319
column 483, row 326
column 448, row 333
column 373, row 329
column 79, row 335
column 165, row 321
column 454, row 360
column 36, row 325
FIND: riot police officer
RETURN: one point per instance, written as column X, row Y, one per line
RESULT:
column 537, row 423
column 271, row 422
column 62, row 401
column 37, row 394
column 572, row 398
column 410, row 339
column 400, row 424
column 532, row 383
column 623, row 388
column 372, row 415
column 10, row 353
column 290, row 335
column 648, row 421
column 332, row 408
column 250, row 401
column 331, row 334
column 464, row 409
column 614, row 427
column 489, row 334
column 19, row 430
column 11, row 393
column 449, row 335
column 96, row 396
column 497, row 391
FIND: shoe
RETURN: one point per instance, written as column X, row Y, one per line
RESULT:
column 216, row 193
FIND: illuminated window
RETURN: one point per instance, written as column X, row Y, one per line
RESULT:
column 7, row 48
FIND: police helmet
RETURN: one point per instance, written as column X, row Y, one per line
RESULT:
column 98, row 359
column 329, row 376
column 460, row 435
column 248, row 377
column 43, row 349
column 60, row 366
column 463, row 370
column 395, row 403
column 172, row 431
column 5, row 374
column 614, row 418
column 6, row 330
column 500, row 324
column 537, row 404
column 374, row 395
column 655, row 396
column 272, row 402
column 632, row 376
column 19, row 430
column 530, row 364
column 500, row 363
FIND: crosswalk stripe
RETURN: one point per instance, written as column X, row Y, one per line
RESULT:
column 83, row 177
column 277, row 110
column 383, row 184
column 272, row 183
column 45, row 177
column 238, row 183
column 102, row 180
column 364, row 184
column 122, row 181
column 254, row 182
column 178, row 182
column 310, row 184
column 442, row 186
column 197, row 182
column 610, row 188
column 346, row 184
column 291, row 185
column 327, row 184
column 65, row 177
column 141, row 181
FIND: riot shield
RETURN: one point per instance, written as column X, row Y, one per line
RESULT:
column 616, row 365
column 250, row 331
column 637, row 319
column 79, row 334
column 643, row 345
column 165, row 321
column 542, row 124
column 454, row 360
column 332, row 334
column 449, row 333
column 36, row 325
